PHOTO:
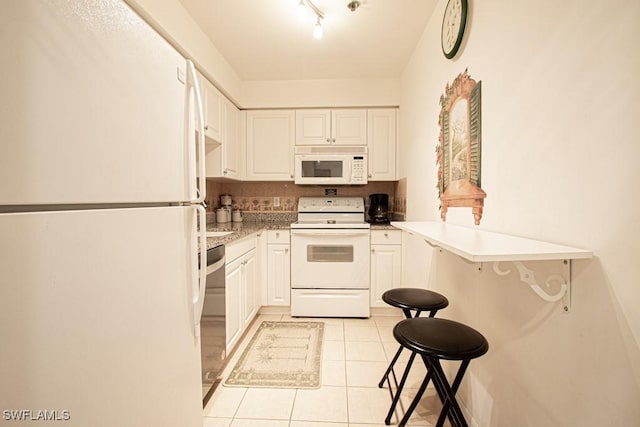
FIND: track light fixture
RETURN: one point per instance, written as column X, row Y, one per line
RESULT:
column 353, row 5
column 302, row 10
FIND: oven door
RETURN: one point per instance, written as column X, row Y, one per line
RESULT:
column 329, row 259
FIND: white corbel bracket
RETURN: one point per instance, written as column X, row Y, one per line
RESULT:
column 527, row 276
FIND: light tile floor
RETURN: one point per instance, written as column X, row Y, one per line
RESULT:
column 355, row 354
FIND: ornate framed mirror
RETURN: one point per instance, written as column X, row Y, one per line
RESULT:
column 459, row 149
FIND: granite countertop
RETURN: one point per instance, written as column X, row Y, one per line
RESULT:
column 241, row 229
column 383, row 227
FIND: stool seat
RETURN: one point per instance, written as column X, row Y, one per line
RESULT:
column 415, row 299
column 441, row 338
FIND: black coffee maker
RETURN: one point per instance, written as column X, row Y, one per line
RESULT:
column 378, row 209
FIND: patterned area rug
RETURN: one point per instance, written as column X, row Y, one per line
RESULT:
column 281, row 355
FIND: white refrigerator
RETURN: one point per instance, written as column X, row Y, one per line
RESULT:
column 100, row 286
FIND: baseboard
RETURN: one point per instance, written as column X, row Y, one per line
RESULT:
column 275, row 309
column 386, row 311
column 285, row 309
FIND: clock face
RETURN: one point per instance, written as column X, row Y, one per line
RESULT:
column 453, row 23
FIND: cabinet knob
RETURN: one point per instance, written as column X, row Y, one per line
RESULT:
column 373, row 251
column 277, row 234
column 369, row 175
column 225, row 171
column 329, row 140
column 206, row 127
column 286, row 250
column 386, row 235
column 291, row 176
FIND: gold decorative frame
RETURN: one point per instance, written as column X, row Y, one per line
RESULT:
column 459, row 147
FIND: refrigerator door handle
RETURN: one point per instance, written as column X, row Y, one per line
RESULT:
column 200, row 282
column 197, row 161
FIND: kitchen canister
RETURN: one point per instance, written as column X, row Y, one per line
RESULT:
column 223, row 215
column 225, row 200
column 236, row 215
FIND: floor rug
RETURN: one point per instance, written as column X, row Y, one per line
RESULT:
column 281, row 355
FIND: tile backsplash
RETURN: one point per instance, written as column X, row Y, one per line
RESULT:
column 262, row 196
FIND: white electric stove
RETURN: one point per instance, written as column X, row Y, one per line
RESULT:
column 330, row 258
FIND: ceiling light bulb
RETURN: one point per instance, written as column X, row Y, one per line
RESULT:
column 317, row 30
column 302, row 11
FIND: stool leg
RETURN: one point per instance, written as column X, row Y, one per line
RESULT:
column 390, row 368
column 416, row 399
column 399, row 388
column 407, row 314
column 450, row 406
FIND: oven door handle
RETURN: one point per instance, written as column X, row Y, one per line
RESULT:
column 329, row 233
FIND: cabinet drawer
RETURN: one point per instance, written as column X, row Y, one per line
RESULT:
column 236, row 249
column 386, row 237
column 278, row 236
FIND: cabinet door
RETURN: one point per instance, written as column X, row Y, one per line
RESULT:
column 382, row 144
column 270, row 142
column 313, row 127
column 251, row 291
column 261, row 259
column 233, row 300
column 385, row 271
column 349, row 127
column 231, row 146
column 213, row 112
column 278, row 275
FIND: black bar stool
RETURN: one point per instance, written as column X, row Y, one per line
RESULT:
column 408, row 299
column 434, row 340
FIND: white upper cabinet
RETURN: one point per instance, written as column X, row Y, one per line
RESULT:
column 382, row 144
column 233, row 142
column 214, row 103
column 269, row 145
column 346, row 126
column 313, row 127
column 222, row 133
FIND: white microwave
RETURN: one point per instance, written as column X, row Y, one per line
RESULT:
column 331, row 165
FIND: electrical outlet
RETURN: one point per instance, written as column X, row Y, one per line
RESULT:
column 276, row 202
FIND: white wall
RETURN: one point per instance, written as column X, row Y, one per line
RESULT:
column 171, row 19
column 560, row 151
column 321, row 93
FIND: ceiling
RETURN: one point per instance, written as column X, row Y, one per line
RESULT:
column 265, row 40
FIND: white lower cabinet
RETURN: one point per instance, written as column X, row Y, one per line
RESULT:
column 233, row 303
column 278, row 268
column 242, row 289
column 250, row 290
column 386, row 263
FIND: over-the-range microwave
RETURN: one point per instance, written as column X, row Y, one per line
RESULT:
column 331, row 165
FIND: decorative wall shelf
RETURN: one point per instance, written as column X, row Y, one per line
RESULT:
column 481, row 246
